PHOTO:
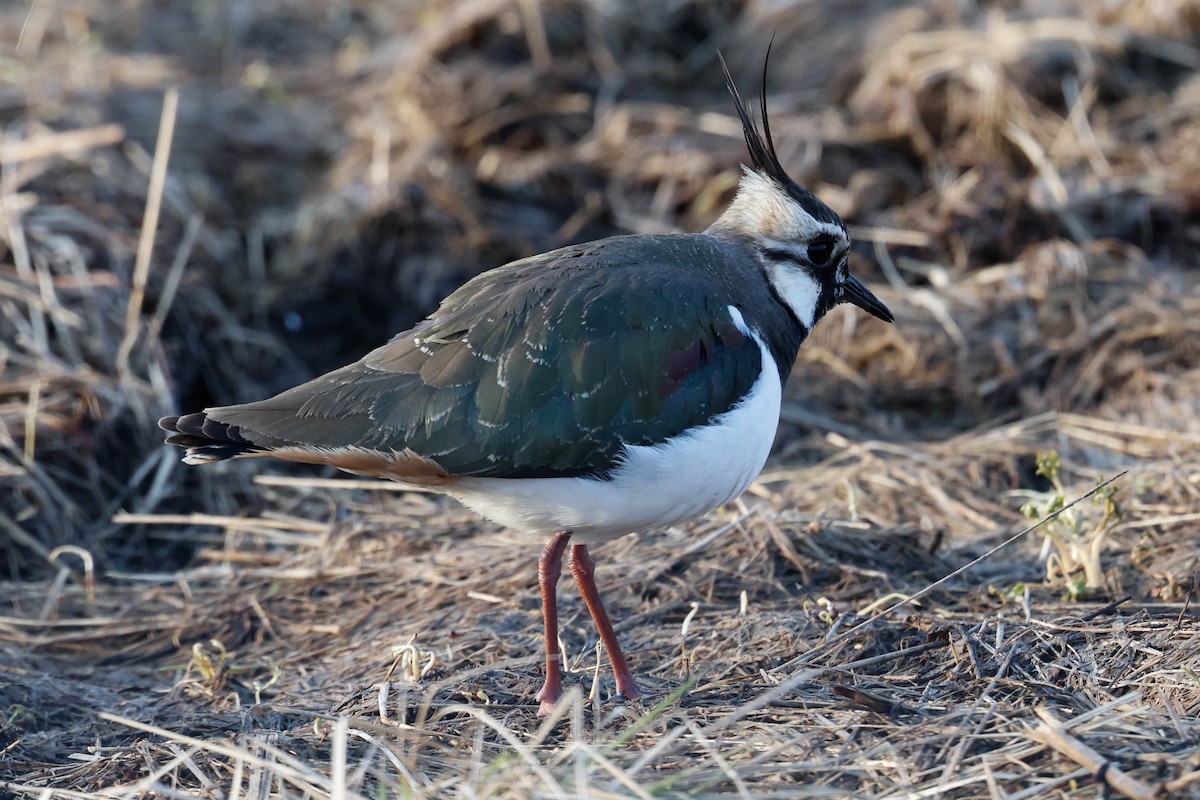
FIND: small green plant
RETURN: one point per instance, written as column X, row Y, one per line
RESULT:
column 1077, row 533
column 1010, row 594
column 823, row 609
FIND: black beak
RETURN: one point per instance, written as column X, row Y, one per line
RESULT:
column 855, row 292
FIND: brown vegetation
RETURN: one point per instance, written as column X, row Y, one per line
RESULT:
column 1023, row 182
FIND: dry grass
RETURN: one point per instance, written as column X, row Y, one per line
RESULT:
column 1023, row 180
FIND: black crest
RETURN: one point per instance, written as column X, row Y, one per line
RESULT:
column 762, row 148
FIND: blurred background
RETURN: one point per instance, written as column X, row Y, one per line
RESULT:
column 1021, row 178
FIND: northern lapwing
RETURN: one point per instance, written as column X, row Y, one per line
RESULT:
column 597, row 390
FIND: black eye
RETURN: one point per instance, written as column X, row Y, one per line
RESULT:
column 821, row 250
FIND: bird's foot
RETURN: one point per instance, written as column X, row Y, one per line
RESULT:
column 548, row 697
column 627, row 687
column 551, row 692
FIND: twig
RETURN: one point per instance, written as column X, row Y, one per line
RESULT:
column 230, row 523
column 535, row 34
column 1052, row 734
column 89, row 567
column 1105, row 609
column 1179, row 784
column 141, row 266
column 31, row 418
column 64, row 143
column 175, row 274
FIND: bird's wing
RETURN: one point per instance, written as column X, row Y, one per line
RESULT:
column 545, row 367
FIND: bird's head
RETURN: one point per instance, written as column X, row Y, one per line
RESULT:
column 800, row 242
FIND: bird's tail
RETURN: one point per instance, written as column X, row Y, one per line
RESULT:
column 206, row 440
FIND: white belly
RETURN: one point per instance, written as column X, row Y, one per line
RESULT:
column 655, row 486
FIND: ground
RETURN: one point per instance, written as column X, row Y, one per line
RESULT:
column 1022, row 180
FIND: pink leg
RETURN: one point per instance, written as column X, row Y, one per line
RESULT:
column 549, row 570
column 584, row 570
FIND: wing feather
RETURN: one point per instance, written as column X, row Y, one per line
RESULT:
column 546, row 367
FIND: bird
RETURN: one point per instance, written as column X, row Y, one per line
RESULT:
column 617, row 386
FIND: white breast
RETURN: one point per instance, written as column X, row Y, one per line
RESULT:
column 655, row 486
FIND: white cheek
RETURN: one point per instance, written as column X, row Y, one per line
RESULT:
column 799, row 290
